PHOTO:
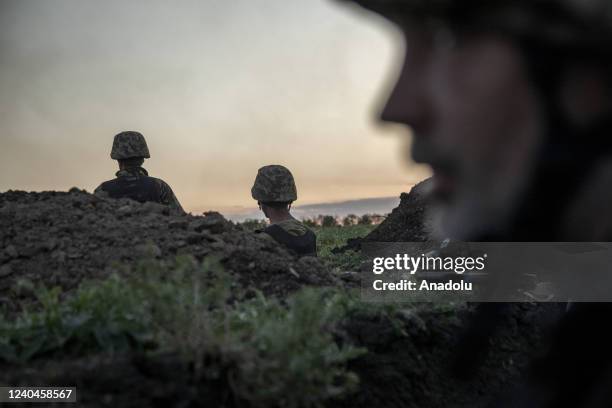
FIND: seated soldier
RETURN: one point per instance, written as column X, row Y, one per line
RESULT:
column 275, row 190
column 130, row 149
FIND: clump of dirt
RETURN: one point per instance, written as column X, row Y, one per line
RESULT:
column 63, row 238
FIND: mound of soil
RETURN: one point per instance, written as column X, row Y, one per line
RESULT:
column 63, row 238
column 408, row 222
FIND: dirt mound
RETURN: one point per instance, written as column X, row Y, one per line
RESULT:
column 62, row 238
column 406, row 223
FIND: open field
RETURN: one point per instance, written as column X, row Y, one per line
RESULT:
column 332, row 237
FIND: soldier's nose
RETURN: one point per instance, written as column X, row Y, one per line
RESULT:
column 408, row 103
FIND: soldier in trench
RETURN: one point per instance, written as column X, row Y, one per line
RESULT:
column 274, row 189
column 132, row 180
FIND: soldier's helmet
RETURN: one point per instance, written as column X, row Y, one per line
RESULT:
column 129, row 144
column 580, row 24
column 274, row 183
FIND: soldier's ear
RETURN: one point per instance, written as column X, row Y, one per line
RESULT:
column 585, row 94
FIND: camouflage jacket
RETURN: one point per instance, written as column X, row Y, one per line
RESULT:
column 136, row 184
column 293, row 235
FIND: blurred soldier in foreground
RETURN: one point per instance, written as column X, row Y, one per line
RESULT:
column 509, row 103
column 130, row 149
column 274, row 189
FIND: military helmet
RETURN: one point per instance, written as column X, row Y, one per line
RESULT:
column 274, row 183
column 575, row 23
column 129, row 144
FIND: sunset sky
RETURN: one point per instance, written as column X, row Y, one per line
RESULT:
column 219, row 88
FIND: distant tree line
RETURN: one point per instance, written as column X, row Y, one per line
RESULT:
column 351, row 219
column 324, row 221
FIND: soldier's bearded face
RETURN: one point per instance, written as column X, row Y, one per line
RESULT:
column 475, row 119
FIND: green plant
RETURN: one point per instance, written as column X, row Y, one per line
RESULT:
column 107, row 316
column 268, row 351
column 293, row 358
column 345, row 261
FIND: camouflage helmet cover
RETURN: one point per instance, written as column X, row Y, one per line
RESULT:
column 274, row 183
column 577, row 23
column 129, row 144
